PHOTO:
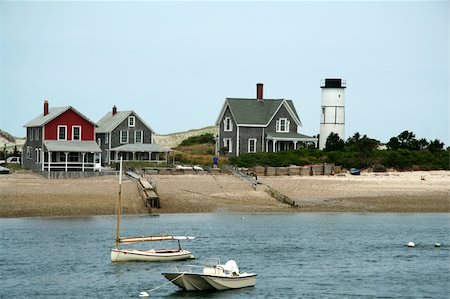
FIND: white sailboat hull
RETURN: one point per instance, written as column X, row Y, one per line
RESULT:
column 128, row 255
column 202, row 282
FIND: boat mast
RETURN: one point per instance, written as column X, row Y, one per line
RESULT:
column 119, row 205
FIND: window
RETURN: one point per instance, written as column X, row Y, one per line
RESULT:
column 138, row 136
column 62, row 132
column 252, row 145
column 227, row 124
column 38, row 134
column 99, row 141
column 131, row 121
column 123, row 136
column 37, row 156
column 28, row 152
column 282, row 125
column 227, row 142
column 76, row 133
column 31, row 134
column 74, row 157
column 106, row 138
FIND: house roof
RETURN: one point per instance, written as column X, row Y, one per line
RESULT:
column 53, row 113
column 88, row 146
column 109, row 122
column 254, row 112
column 141, row 147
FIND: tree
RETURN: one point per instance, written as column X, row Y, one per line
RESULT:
column 435, row 146
column 334, row 143
column 354, row 139
column 405, row 140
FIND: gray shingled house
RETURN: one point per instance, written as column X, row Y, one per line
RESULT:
column 124, row 133
column 259, row 125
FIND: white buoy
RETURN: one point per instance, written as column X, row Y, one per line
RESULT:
column 437, row 244
column 143, row 294
column 411, row 244
column 243, row 218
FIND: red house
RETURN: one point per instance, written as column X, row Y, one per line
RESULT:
column 61, row 139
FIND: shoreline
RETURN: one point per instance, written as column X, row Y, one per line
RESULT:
column 26, row 194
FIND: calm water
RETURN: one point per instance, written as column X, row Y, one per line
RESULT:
column 295, row 255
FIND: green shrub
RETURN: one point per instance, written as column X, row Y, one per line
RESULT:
column 200, row 139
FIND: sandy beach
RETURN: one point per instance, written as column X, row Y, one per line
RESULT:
column 26, row 194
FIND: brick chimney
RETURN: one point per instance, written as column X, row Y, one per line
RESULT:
column 114, row 110
column 45, row 107
column 259, row 91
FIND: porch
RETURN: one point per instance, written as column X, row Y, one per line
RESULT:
column 276, row 142
column 71, row 156
column 152, row 153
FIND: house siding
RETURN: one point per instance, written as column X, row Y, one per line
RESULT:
column 103, row 145
column 245, row 133
column 282, row 113
column 232, row 134
column 123, row 126
column 69, row 119
column 34, row 144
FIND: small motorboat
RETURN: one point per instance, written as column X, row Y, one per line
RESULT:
column 211, row 276
column 355, row 171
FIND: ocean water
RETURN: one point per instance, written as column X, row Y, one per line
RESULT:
column 317, row 255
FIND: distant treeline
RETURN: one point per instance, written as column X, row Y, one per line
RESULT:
column 403, row 152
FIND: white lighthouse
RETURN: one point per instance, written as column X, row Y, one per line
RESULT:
column 332, row 116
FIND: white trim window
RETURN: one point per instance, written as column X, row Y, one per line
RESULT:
column 62, row 132
column 282, row 125
column 123, row 137
column 228, row 124
column 76, row 132
column 131, row 121
column 138, row 136
column 252, row 145
column 106, row 138
column 28, row 152
column 99, row 142
column 30, row 134
column 228, row 142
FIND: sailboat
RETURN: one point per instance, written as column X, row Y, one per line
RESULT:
column 148, row 255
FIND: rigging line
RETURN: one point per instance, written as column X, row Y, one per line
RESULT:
column 166, row 283
column 203, row 194
column 217, row 183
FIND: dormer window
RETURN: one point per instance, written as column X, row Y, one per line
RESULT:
column 282, row 125
column 131, row 121
column 227, row 124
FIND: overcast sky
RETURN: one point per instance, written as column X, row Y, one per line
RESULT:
column 174, row 63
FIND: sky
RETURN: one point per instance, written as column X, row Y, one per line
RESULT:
column 174, row 63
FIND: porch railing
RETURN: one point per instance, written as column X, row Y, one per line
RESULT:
column 72, row 166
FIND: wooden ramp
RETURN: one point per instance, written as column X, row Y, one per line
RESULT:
column 147, row 191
